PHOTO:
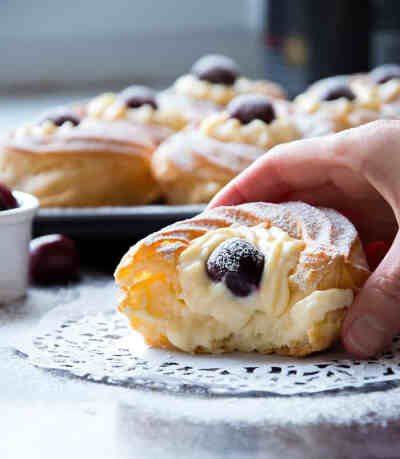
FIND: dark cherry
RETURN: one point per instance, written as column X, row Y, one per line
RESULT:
column 385, row 73
column 249, row 107
column 336, row 91
column 216, row 69
column 237, row 263
column 7, row 200
column 53, row 259
column 136, row 96
column 60, row 118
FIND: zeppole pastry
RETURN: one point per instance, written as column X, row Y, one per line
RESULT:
column 254, row 277
column 378, row 75
column 332, row 105
column 98, row 160
column 194, row 164
column 145, row 105
column 138, row 105
column 217, row 79
column 383, row 85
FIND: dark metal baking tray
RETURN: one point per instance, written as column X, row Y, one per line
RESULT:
column 110, row 222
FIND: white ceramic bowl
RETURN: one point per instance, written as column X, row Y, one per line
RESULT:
column 15, row 234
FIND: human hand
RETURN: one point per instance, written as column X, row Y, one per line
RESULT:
column 356, row 172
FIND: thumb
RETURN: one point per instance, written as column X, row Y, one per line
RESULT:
column 374, row 318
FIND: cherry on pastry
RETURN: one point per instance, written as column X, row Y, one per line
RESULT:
column 385, row 73
column 249, row 107
column 237, row 263
column 7, row 200
column 215, row 68
column 53, row 259
column 337, row 91
column 59, row 118
column 136, row 96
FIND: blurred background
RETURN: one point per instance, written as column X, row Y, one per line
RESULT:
column 99, row 42
column 50, row 43
column 53, row 50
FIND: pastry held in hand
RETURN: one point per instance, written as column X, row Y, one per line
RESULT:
column 96, row 160
column 194, row 164
column 254, row 277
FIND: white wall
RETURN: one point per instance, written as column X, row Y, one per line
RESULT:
column 47, row 43
column 60, row 18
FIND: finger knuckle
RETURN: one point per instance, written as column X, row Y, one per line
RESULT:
column 388, row 286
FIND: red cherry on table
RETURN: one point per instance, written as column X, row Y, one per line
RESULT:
column 7, row 200
column 54, row 259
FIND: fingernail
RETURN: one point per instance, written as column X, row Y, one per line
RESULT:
column 366, row 335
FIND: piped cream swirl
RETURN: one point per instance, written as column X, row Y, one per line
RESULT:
column 263, row 135
column 109, row 107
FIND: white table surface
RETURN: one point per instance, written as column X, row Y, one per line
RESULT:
column 44, row 415
column 47, row 416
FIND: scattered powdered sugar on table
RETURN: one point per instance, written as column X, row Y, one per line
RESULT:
column 334, row 424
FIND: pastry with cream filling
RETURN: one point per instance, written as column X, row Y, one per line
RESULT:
column 254, row 277
column 212, row 82
column 333, row 105
column 101, row 157
column 194, row 164
column 217, row 79
column 383, row 85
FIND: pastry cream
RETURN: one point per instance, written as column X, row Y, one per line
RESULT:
column 108, row 107
column 257, row 132
column 45, row 128
column 268, row 318
column 200, row 89
column 316, row 117
column 389, row 91
column 377, row 94
column 221, row 94
column 366, row 98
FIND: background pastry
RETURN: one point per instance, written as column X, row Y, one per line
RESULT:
column 215, row 78
column 333, row 105
column 137, row 105
column 382, row 84
column 193, row 165
column 379, row 75
column 101, row 159
column 264, row 277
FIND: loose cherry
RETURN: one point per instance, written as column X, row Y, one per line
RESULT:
column 53, row 259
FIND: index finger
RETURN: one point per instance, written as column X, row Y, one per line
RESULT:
column 286, row 168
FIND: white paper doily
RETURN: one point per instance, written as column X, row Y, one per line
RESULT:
column 100, row 347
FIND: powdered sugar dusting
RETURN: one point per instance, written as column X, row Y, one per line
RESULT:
column 323, row 230
column 120, row 136
column 316, row 228
column 169, row 251
column 189, row 148
column 343, row 232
